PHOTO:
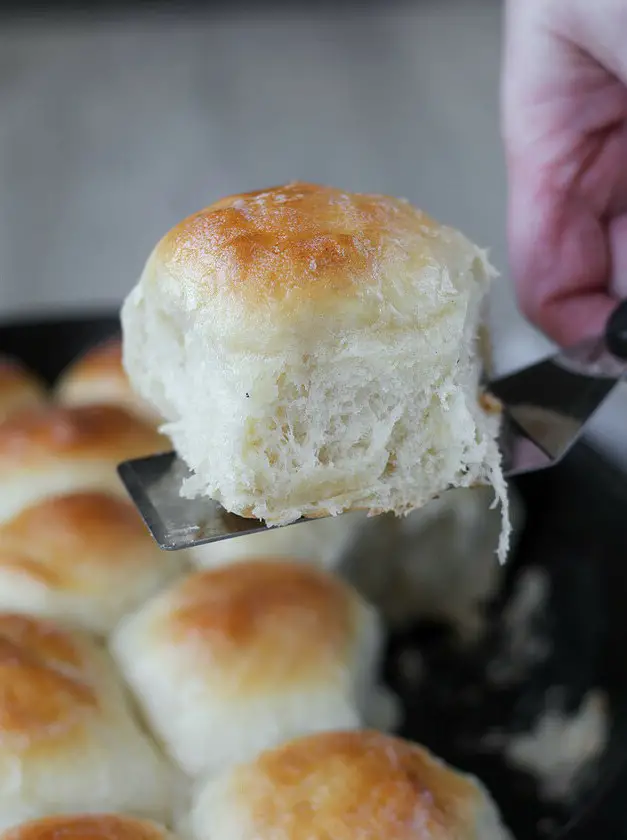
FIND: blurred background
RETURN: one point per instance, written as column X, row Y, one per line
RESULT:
column 118, row 120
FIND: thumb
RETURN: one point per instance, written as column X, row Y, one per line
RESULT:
column 560, row 260
column 618, row 245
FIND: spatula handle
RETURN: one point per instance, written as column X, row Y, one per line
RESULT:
column 616, row 331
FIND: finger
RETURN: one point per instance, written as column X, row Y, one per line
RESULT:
column 618, row 244
column 570, row 320
column 599, row 28
column 560, row 259
column 559, row 189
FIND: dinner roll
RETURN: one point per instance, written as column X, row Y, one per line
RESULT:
column 322, row 541
column 88, row 827
column 19, row 387
column 51, row 450
column 315, row 351
column 85, row 558
column 68, row 740
column 98, row 376
column 235, row 659
column 346, row 786
column 440, row 561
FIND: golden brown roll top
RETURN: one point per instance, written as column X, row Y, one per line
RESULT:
column 85, row 558
column 68, row 738
column 98, row 377
column 88, row 827
column 19, row 387
column 345, row 785
column 299, row 246
column 51, row 450
column 234, row 659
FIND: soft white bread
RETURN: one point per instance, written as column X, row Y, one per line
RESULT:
column 85, row 558
column 68, row 740
column 98, row 376
column 88, row 827
column 316, row 351
column 52, row 450
column 440, row 561
column 235, row 659
column 446, row 563
column 322, row 541
column 345, row 786
column 19, row 387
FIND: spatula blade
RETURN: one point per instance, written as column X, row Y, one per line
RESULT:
column 552, row 401
column 154, row 484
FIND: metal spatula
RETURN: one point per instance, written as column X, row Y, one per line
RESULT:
column 546, row 406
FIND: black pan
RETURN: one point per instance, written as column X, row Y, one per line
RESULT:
column 577, row 534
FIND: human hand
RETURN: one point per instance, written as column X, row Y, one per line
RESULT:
column 564, row 119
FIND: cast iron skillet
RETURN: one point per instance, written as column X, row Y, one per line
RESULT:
column 576, row 533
